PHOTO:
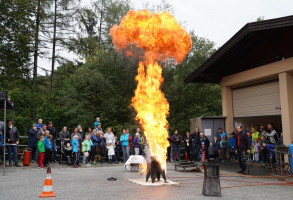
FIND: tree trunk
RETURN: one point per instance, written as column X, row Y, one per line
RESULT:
column 54, row 46
column 36, row 48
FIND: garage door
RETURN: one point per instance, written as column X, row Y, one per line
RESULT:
column 257, row 100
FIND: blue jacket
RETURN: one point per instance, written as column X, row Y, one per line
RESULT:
column 224, row 144
column 136, row 142
column 47, row 143
column 218, row 135
column 232, row 143
column 97, row 123
column 94, row 140
column 75, row 145
column 32, row 138
column 216, row 145
column 124, row 139
column 39, row 126
column 1, row 140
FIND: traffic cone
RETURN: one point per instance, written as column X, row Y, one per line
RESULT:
column 48, row 187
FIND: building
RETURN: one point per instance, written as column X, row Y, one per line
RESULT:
column 255, row 71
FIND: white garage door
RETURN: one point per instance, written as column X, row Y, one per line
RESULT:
column 257, row 100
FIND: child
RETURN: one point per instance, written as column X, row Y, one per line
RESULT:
column 51, row 150
column 87, row 148
column 41, row 150
column 232, row 146
column 39, row 124
column 117, row 150
column 95, row 141
column 1, row 148
column 97, row 122
column 216, row 148
column 75, row 145
column 224, row 146
column 48, row 148
column 256, row 151
column 136, row 142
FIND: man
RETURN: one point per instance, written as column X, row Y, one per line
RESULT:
column 272, row 134
column 12, row 140
column 242, row 148
column 52, row 131
column 64, row 134
column 203, row 140
column 176, row 146
column 195, row 144
column 32, row 141
column 124, row 139
column 42, row 131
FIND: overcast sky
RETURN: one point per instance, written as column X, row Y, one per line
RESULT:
column 218, row 20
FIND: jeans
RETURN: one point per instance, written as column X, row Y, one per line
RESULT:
column 136, row 150
column 13, row 149
column 125, row 150
column 196, row 151
column 33, row 152
column 176, row 150
column 242, row 157
column 224, row 152
column 54, row 148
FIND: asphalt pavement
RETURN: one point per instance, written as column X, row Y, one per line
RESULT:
column 91, row 183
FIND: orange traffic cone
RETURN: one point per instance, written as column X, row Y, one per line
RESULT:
column 48, row 187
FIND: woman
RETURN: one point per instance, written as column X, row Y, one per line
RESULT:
column 110, row 141
column 95, row 141
column 187, row 142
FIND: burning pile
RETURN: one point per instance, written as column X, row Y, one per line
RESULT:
column 160, row 37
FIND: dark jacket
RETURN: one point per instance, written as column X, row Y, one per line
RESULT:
column 242, row 142
column 206, row 142
column 64, row 135
column 136, row 142
column 12, row 135
column 189, row 144
column 216, row 145
column 195, row 137
column 175, row 137
column 52, row 132
column 32, row 138
column 94, row 139
column 102, row 141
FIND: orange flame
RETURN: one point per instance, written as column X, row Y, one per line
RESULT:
column 160, row 36
column 143, row 168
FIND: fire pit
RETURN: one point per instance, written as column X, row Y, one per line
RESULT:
column 154, row 170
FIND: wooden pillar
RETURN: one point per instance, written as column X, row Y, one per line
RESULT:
column 227, row 108
column 286, row 98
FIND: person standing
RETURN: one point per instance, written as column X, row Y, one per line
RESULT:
column 205, row 144
column 216, row 148
column 79, row 138
column 176, row 145
column 242, row 148
column 95, row 141
column 136, row 142
column 232, row 146
column 64, row 134
column 75, row 149
column 188, row 146
column 32, row 141
column 124, row 139
column 12, row 140
column 110, row 141
column 52, row 131
column 41, row 151
column 1, row 148
column 195, row 144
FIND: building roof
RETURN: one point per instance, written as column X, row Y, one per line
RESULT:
column 256, row 44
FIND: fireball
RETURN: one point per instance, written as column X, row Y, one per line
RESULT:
column 160, row 37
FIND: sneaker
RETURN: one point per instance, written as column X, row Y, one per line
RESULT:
column 10, row 164
column 246, row 172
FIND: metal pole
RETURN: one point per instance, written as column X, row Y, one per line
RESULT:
column 4, row 164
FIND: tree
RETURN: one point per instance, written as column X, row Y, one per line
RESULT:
column 15, row 41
